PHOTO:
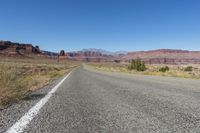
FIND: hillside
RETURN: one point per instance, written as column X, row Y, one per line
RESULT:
column 165, row 56
column 8, row 48
column 90, row 56
column 161, row 56
column 14, row 49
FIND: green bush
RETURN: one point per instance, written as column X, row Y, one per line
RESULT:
column 137, row 64
column 164, row 69
column 188, row 69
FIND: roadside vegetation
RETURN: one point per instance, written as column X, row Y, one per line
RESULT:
column 188, row 69
column 137, row 67
column 164, row 69
column 20, row 77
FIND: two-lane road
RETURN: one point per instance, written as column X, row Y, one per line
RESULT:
column 92, row 102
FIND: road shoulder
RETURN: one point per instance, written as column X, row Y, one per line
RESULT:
column 13, row 113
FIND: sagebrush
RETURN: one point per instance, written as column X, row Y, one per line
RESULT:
column 137, row 64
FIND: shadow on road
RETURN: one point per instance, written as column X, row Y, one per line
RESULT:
column 33, row 97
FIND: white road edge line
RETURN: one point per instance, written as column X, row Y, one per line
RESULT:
column 21, row 124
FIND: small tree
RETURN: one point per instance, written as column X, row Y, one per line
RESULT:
column 188, row 69
column 137, row 64
column 164, row 69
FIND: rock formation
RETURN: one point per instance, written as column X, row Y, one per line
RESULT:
column 11, row 48
column 165, row 56
column 62, row 55
column 162, row 56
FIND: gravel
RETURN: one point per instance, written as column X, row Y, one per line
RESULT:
column 11, row 114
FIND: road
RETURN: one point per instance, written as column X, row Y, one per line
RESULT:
column 90, row 101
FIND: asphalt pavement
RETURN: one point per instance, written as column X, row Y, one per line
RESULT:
column 91, row 101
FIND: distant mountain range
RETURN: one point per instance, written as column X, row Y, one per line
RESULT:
column 104, row 52
column 160, row 56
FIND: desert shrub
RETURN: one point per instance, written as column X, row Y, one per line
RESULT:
column 137, row 64
column 188, row 69
column 164, row 69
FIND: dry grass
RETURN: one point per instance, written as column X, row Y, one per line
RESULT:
column 19, row 77
column 175, row 70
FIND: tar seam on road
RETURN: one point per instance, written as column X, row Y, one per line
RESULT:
column 21, row 124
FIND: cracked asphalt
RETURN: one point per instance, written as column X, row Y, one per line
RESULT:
column 90, row 101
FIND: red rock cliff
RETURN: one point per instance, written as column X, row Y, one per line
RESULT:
column 11, row 48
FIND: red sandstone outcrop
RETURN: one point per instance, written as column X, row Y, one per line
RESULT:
column 165, row 56
column 11, row 48
column 162, row 56
column 62, row 55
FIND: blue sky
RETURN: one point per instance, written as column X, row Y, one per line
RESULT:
column 113, row 25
